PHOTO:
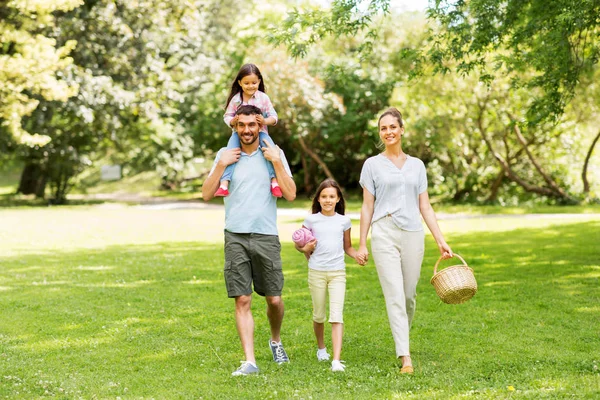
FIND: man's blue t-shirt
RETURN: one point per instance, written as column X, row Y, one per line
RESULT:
column 250, row 206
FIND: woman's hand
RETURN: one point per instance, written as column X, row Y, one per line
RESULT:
column 362, row 255
column 445, row 250
column 260, row 120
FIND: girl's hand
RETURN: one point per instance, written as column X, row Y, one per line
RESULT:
column 362, row 255
column 309, row 247
column 234, row 121
column 445, row 250
column 260, row 120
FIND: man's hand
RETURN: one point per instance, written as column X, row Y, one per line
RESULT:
column 271, row 153
column 230, row 156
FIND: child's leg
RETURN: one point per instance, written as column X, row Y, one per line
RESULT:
column 264, row 137
column 318, row 291
column 337, row 294
column 275, row 189
column 319, row 328
column 337, row 332
column 234, row 142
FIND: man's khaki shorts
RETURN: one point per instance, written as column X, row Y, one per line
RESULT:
column 252, row 258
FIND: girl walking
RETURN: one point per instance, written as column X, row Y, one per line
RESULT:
column 326, row 266
column 394, row 199
column 248, row 88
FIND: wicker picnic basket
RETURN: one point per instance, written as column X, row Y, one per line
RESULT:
column 455, row 284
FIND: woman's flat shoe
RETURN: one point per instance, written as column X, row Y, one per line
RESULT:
column 407, row 370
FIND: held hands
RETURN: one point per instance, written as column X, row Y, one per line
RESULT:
column 230, row 156
column 360, row 261
column 270, row 152
column 362, row 255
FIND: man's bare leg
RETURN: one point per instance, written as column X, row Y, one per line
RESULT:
column 245, row 325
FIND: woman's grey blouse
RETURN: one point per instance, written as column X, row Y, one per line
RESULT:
column 396, row 190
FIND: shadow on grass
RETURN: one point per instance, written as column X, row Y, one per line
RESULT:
column 15, row 200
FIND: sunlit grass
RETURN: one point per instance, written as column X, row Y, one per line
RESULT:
column 128, row 302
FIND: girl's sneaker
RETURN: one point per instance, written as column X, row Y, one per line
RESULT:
column 322, row 355
column 222, row 192
column 276, row 191
column 337, row 366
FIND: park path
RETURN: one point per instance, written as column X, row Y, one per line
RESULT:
column 166, row 203
column 151, row 221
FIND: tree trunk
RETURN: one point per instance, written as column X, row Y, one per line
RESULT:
column 315, row 157
column 508, row 170
column 559, row 191
column 496, row 187
column 586, row 184
column 33, row 180
column 307, row 185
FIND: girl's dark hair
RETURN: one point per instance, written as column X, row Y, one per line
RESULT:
column 340, row 207
column 247, row 69
column 393, row 111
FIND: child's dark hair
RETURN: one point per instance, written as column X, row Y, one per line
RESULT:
column 245, row 70
column 340, row 207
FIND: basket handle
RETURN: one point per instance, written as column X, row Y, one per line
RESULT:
column 440, row 259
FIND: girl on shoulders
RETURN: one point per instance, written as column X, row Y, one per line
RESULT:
column 326, row 265
column 248, row 88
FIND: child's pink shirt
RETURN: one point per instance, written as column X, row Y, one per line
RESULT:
column 258, row 99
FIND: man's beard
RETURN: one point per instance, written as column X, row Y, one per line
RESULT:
column 242, row 140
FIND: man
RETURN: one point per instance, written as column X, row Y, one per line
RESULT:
column 252, row 249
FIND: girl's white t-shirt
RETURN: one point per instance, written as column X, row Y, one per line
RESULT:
column 329, row 232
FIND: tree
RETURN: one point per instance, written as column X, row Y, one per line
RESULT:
column 537, row 49
column 557, row 40
column 135, row 76
column 31, row 64
column 305, row 26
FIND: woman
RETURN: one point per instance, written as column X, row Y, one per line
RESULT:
column 394, row 194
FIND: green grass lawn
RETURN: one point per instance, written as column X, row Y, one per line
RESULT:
column 125, row 302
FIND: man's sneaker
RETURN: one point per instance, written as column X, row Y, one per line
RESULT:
column 279, row 354
column 322, row 355
column 245, row 369
column 337, row 366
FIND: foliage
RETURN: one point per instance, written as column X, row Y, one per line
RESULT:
column 134, row 76
column 31, row 64
column 130, row 304
column 477, row 145
column 150, row 93
column 304, row 27
column 557, row 40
